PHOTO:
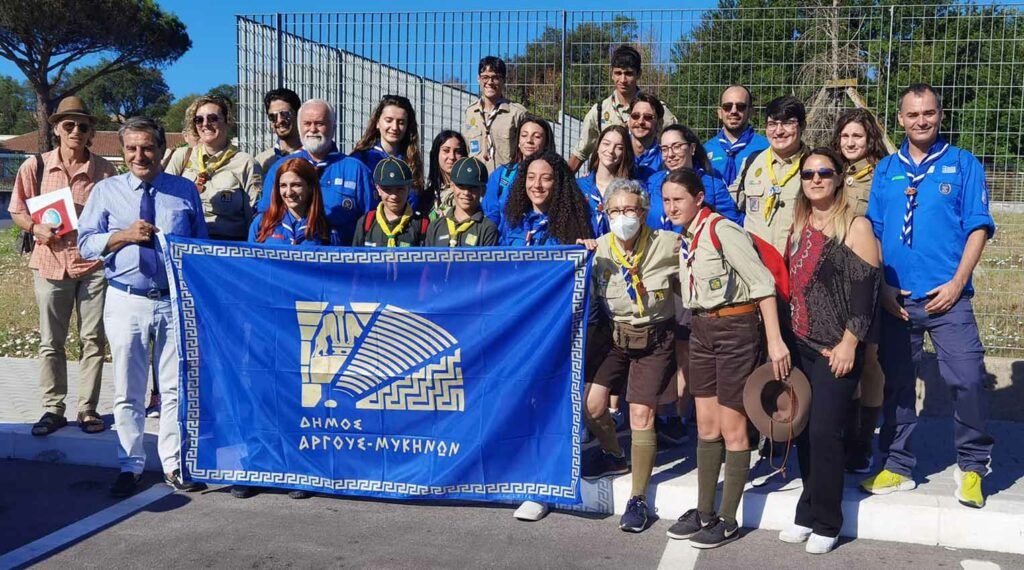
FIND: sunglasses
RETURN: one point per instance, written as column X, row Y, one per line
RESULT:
column 740, row 107
column 821, row 172
column 274, row 117
column 209, row 119
column 69, row 126
column 647, row 117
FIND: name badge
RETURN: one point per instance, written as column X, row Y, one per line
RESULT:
column 951, row 169
column 339, row 181
column 350, row 184
column 474, row 146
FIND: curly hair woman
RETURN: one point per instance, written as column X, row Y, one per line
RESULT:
column 545, row 206
column 532, row 135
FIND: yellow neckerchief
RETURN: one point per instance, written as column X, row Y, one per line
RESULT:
column 772, row 201
column 633, row 285
column 207, row 170
column 862, row 174
column 455, row 231
column 382, row 223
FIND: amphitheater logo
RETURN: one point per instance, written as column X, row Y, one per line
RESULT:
column 382, row 356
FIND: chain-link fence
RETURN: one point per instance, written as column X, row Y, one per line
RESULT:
column 833, row 58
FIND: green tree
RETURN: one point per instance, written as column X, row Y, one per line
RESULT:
column 133, row 91
column 174, row 119
column 16, row 113
column 45, row 38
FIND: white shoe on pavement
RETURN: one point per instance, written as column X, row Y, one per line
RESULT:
column 531, row 511
column 795, row 534
column 817, row 544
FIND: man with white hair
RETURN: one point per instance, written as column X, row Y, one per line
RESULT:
column 346, row 184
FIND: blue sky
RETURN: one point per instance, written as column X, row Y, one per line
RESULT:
column 211, row 25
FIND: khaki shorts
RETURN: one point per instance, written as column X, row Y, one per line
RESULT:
column 724, row 351
column 649, row 375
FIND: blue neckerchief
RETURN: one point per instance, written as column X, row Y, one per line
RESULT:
column 600, row 217
column 333, row 155
column 648, row 156
column 732, row 149
column 915, row 175
column 294, row 229
column 537, row 228
column 507, row 177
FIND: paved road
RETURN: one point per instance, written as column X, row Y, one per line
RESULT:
column 212, row 529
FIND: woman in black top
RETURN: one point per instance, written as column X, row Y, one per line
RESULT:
column 833, row 267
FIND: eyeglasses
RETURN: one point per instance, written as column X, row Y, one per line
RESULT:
column 740, row 107
column 787, row 125
column 646, row 117
column 209, row 119
column 676, row 148
column 630, row 212
column 69, row 126
column 821, row 172
column 490, row 78
column 285, row 116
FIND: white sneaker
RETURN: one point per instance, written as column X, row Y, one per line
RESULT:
column 531, row 511
column 795, row 534
column 817, row 544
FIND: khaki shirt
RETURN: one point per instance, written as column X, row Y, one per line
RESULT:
column 508, row 116
column 858, row 190
column 756, row 190
column 659, row 268
column 733, row 276
column 229, row 196
column 267, row 158
column 608, row 112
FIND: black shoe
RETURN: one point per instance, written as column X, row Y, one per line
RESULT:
column 126, row 484
column 688, row 525
column 671, row 430
column 242, row 491
column 860, row 463
column 179, row 484
column 637, row 515
column 49, row 423
column 299, row 494
column 603, row 465
column 715, row 534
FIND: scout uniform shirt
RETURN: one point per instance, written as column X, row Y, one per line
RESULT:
column 712, row 279
column 229, row 190
column 476, row 231
column 617, row 292
column 412, row 234
column 952, row 202
column 758, row 198
column 857, row 179
column 484, row 128
column 267, row 158
column 608, row 112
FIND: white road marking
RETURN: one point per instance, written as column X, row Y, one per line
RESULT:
column 978, row 565
column 83, row 527
column 678, row 555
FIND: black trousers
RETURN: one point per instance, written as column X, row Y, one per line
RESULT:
column 820, row 447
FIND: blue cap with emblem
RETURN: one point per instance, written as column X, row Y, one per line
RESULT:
column 469, row 172
column 392, row 172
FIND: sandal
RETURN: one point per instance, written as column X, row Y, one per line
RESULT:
column 90, row 422
column 49, row 423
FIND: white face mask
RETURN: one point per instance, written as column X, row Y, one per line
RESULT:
column 625, row 227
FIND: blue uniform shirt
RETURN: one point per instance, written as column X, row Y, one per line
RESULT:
column 952, row 201
column 499, row 186
column 346, row 186
column 114, row 206
column 532, row 221
column 598, row 218
column 716, row 194
column 648, row 162
column 719, row 158
column 289, row 230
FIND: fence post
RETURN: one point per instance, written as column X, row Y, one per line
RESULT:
column 563, row 80
column 280, row 50
column 888, row 68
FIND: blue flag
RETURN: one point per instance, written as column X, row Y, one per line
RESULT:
column 410, row 373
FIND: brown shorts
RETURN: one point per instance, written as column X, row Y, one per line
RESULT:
column 649, row 375
column 724, row 351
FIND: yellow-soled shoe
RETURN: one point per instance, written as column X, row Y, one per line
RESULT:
column 968, row 489
column 885, row 482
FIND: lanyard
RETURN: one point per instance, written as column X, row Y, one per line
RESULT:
column 382, row 223
column 455, row 231
column 631, row 271
column 690, row 255
column 771, row 203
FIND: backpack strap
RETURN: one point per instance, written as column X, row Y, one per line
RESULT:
column 741, row 205
column 369, row 221
column 714, row 236
column 39, row 173
column 424, row 224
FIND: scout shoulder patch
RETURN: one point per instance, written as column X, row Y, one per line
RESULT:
column 474, row 146
column 472, row 121
column 347, row 203
column 753, row 204
column 715, row 283
column 758, row 171
column 471, row 239
column 945, row 188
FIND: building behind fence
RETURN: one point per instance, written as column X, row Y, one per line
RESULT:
column 833, row 58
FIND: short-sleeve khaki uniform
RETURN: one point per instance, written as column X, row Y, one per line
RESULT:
column 754, row 196
column 229, row 195
column 608, row 112
column 501, row 122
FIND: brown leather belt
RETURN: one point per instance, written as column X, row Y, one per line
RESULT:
column 728, row 311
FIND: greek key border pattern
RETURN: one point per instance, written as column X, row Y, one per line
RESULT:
column 177, row 250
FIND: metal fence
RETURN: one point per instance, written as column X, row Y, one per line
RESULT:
column 833, row 58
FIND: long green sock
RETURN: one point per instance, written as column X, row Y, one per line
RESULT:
column 645, row 448
column 603, row 428
column 709, row 465
column 737, row 467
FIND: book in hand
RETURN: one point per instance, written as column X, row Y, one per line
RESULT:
column 55, row 208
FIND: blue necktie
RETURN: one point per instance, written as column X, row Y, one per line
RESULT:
column 148, row 262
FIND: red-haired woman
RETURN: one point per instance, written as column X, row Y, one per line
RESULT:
column 296, row 212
